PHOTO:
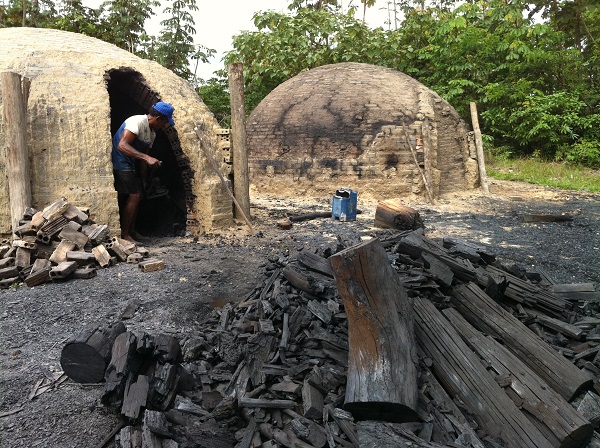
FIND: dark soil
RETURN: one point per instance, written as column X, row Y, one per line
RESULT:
column 225, row 266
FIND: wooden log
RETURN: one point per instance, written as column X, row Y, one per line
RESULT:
column 554, row 416
column 463, row 375
column 241, row 182
column 315, row 262
column 488, row 317
column 309, row 216
column 392, row 214
column 547, row 218
column 14, row 118
column 382, row 368
column 86, row 354
column 479, row 148
column 304, row 281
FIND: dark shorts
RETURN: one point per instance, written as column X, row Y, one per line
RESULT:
column 127, row 182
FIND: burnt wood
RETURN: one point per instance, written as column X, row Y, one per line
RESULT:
column 382, row 370
column 392, row 214
column 554, row 416
column 86, row 354
column 465, row 377
column 490, row 318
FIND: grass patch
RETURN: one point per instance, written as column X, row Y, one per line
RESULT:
column 549, row 174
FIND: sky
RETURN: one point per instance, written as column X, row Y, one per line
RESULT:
column 218, row 20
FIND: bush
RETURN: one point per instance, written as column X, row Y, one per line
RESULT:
column 584, row 152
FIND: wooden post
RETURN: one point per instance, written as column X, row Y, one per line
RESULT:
column 17, row 154
column 382, row 362
column 479, row 147
column 241, row 185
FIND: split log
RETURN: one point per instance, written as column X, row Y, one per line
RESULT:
column 382, row 367
column 488, row 317
column 463, row 375
column 392, row 214
column 554, row 416
column 86, row 354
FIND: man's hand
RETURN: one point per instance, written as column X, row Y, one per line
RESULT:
column 152, row 162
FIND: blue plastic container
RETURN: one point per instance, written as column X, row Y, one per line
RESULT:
column 344, row 204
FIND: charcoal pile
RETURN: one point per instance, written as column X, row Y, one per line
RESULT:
column 62, row 241
column 397, row 341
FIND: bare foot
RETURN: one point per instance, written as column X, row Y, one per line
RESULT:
column 129, row 238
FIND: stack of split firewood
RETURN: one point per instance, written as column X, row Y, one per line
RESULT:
column 398, row 341
column 60, row 242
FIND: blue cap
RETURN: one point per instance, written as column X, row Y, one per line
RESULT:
column 165, row 109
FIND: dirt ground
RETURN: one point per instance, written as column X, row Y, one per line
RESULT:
column 225, row 266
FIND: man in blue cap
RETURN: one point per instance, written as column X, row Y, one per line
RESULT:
column 131, row 144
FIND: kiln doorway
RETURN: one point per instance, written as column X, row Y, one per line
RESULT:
column 163, row 208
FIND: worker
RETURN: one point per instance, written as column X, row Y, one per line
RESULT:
column 131, row 144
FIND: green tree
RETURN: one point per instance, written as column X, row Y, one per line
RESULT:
column 175, row 48
column 38, row 13
column 125, row 21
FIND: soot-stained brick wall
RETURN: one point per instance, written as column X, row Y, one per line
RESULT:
column 355, row 124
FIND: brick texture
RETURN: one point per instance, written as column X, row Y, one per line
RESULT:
column 347, row 124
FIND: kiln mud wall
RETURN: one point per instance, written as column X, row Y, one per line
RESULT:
column 69, row 117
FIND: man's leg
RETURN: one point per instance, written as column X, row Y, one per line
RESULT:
column 129, row 215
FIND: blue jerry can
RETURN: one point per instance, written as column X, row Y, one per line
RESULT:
column 344, row 204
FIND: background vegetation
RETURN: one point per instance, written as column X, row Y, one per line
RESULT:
column 531, row 66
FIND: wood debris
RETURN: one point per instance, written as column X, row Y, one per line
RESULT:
column 501, row 359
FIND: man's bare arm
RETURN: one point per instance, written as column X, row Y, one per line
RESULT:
column 126, row 147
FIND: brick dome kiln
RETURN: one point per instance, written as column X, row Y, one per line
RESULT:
column 354, row 125
column 81, row 91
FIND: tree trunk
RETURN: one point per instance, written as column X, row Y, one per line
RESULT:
column 395, row 215
column 382, row 361
column 17, row 154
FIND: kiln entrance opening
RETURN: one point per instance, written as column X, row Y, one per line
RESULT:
column 163, row 209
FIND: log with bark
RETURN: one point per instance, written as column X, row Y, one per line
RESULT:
column 392, row 214
column 382, row 361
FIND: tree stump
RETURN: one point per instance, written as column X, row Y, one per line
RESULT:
column 86, row 354
column 382, row 360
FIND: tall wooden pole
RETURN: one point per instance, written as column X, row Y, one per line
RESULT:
column 17, row 154
column 479, row 147
column 241, row 184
